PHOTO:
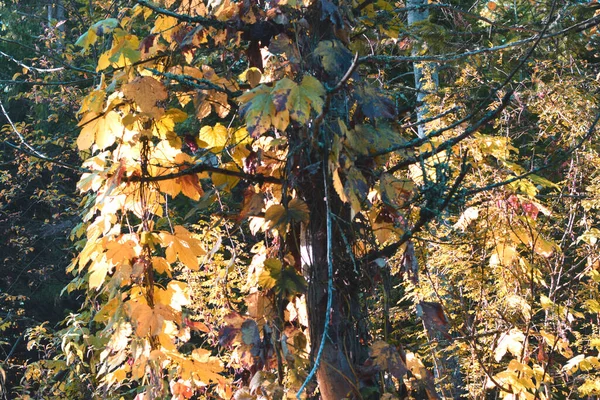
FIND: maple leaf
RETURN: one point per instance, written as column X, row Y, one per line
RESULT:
column 183, row 246
column 283, row 279
column 98, row 271
column 190, row 186
column 147, row 320
column 202, row 368
column 298, row 100
column 174, row 295
column 125, row 50
column 278, row 216
column 354, row 190
column 146, row 91
column 121, row 252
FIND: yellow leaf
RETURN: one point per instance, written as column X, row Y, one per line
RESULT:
column 108, row 129
column 223, row 181
column 355, row 189
column 468, row 216
column 190, row 186
column 252, row 76
column 339, row 186
column 98, row 271
column 215, row 137
column 86, row 137
column 277, row 218
column 202, row 368
column 415, row 365
column 298, row 210
column 299, row 99
column 93, row 102
column 86, row 40
column 118, row 252
column 161, row 266
column 183, row 246
column 146, row 321
column 511, row 342
column 504, row 255
column 164, row 26
column 387, row 358
column 175, row 295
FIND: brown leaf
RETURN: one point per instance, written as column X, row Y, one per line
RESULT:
column 146, row 92
column 434, row 319
column 387, row 358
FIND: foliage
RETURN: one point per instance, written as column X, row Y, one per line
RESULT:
column 262, row 219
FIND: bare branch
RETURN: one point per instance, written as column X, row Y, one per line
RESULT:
column 201, row 84
column 489, row 116
column 21, row 64
column 182, row 17
column 445, row 58
column 197, row 168
column 565, row 156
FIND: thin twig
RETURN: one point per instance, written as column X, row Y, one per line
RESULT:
column 565, row 156
column 21, row 64
column 444, row 58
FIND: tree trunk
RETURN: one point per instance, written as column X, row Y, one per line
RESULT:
column 334, row 375
column 418, row 12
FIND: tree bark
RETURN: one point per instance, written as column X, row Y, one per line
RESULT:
column 334, row 375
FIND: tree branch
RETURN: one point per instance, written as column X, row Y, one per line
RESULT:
column 444, row 58
column 567, row 154
column 182, row 17
column 424, row 218
column 195, row 82
column 489, row 116
column 198, row 168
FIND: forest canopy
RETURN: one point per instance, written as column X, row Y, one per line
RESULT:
column 324, row 199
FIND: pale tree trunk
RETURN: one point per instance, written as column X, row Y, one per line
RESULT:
column 447, row 368
column 423, row 72
column 56, row 12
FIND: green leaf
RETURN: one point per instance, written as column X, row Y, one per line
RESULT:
column 284, row 280
column 335, row 58
column 538, row 180
column 298, row 100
